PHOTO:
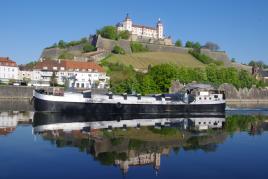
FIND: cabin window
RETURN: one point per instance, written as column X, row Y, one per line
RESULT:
column 199, row 123
column 168, row 99
column 82, row 85
column 205, row 98
column 199, row 98
column 139, row 97
column 209, row 98
column 215, row 96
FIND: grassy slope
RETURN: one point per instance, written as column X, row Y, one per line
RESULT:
column 141, row 61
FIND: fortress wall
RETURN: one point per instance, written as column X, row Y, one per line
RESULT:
column 253, row 93
column 108, row 44
column 165, row 48
column 218, row 55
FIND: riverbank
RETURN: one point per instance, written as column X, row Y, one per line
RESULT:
column 247, row 103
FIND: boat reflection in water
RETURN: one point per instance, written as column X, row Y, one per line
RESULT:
column 126, row 141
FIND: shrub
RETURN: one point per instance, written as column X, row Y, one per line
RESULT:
column 178, row 43
column 118, row 50
column 138, row 47
column 66, row 55
column 123, row 35
column 88, row 48
column 203, row 58
column 108, row 32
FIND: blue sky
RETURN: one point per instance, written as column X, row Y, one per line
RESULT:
column 240, row 27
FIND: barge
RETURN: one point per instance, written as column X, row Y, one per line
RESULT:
column 195, row 100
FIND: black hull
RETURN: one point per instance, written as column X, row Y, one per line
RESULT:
column 181, row 110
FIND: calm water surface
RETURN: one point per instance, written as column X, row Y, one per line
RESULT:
column 53, row 146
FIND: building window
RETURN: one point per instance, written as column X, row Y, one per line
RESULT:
column 82, row 85
column 77, row 85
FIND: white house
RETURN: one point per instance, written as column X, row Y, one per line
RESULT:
column 78, row 74
column 8, row 70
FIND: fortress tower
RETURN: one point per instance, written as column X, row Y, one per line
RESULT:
column 160, row 29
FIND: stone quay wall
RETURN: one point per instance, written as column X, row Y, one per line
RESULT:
column 16, row 92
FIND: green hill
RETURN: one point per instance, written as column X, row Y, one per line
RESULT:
column 140, row 61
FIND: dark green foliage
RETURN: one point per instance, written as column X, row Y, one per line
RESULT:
column 108, row 32
column 212, row 46
column 158, row 79
column 108, row 158
column 88, row 48
column 162, row 75
column 135, row 144
column 203, row 58
column 233, row 60
column 66, row 55
column 178, row 43
column 258, row 64
column 123, row 34
column 241, row 122
column 118, row 50
column 138, row 47
column 194, row 45
column 166, row 131
column 62, row 44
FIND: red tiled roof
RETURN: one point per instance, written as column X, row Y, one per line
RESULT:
column 5, row 61
column 7, row 130
column 69, row 65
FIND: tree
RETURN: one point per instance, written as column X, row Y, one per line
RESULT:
column 178, row 43
column 108, row 32
column 212, row 46
column 123, row 34
column 137, row 47
column 62, row 44
column 189, row 44
column 118, row 50
column 194, row 45
column 162, row 75
column 260, row 64
column 88, row 48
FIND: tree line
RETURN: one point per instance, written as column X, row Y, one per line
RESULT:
column 158, row 78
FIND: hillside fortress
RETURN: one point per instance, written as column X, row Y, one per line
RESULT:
column 141, row 30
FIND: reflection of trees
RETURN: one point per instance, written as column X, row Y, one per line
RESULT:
column 243, row 123
column 127, row 146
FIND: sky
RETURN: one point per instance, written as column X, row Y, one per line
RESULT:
column 239, row 27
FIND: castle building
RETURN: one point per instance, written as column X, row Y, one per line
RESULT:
column 141, row 30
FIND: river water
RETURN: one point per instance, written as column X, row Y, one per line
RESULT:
column 40, row 145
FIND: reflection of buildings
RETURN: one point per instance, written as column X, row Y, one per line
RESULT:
column 125, row 151
column 206, row 123
column 10, row 120
column 134, row 159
